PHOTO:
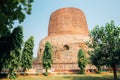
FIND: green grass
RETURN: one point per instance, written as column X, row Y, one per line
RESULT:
column 70, row 77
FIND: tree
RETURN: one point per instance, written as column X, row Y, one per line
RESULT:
column 81, row 61
column 47, row 57
column 105, row 42
column 27, row 54
column 12, row 56
column 11, row 10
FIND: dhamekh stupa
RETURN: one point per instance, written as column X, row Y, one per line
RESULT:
column 67, row 33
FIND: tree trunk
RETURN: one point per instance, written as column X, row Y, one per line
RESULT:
column 46, row 72
column 99, row 69
column 24, row 69
column 114, row 71
column 11, row 73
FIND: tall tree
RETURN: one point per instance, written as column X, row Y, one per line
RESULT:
column 81, row 61
column 106, row 45
column 47, row 57
column 12, row 61
column 27, row 54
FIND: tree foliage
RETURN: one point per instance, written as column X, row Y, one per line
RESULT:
column 11, row 10
column 4, row 48
column 11, row 56
column 81, row 61
column 27, row 54
column 10, row 42
column 47, row 57
column 105, row 42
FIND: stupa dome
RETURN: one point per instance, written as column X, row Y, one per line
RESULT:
column 68, row 21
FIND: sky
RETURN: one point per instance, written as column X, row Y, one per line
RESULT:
column 97, row 12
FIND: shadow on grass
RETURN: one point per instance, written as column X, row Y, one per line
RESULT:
column 3, row 76
column 84, row 78
column 89, row 78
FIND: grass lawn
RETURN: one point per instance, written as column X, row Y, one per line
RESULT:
column 108, row 76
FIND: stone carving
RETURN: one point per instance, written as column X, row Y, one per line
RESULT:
column 67, row 33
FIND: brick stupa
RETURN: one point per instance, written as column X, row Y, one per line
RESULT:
column 67, row 33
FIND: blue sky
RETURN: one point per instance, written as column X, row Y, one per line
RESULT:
column 98, row 12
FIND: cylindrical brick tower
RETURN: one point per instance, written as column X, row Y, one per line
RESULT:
column 68, row 21
column 67, row 33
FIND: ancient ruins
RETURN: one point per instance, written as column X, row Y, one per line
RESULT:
column 67, row 33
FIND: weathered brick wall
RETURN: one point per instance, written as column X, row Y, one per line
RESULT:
column 65, row 48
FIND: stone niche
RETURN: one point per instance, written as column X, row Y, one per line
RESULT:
column 67, row 33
